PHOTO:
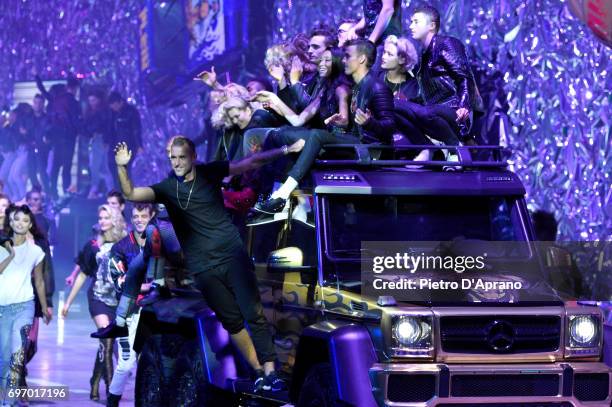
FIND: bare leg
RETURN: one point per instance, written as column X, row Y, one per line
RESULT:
column 243, row 342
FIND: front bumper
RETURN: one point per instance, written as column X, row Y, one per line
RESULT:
column 508, row 385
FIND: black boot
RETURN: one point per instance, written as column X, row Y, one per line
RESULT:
column 111, row 331
column 94, row 382
column 113, row 400
column 108, row 363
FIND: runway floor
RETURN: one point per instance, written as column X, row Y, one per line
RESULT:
column 66, row 356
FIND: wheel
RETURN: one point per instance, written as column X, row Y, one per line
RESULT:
column 318, row 389
column 149, row 376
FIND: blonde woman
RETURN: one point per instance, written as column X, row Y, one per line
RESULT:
column 399, row 58
column 101, row 296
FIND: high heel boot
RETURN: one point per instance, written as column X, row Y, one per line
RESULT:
column 108, row 362
column 94, row 382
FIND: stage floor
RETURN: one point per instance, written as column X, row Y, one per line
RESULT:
column 65, row 357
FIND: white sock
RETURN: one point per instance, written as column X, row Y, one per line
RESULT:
column 301, row 209
column 119, row 321
column 285, row 190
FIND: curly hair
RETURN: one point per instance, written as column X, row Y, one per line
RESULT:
column 119, row 229
column 279, row 55
column 405, row 49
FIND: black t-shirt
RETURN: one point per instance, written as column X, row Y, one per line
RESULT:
column 204, row 229
column 371, row 10
column 86, row 259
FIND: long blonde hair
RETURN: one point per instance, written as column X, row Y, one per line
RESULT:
column 119, row 229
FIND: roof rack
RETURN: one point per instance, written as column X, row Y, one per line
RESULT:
column 391, row 156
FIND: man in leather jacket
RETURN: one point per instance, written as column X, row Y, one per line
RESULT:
column 446, row 82
column 372, row 121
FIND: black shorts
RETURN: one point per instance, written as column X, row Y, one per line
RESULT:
column 230, row 290
column 97, row 307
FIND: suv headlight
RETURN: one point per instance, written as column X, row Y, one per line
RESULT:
column 409, row 336
column 583, row 335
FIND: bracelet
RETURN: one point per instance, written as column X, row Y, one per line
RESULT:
column 285, row 149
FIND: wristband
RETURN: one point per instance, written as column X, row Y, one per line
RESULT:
column 285, row 149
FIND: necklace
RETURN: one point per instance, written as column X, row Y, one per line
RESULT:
column 395, row 86
column 190, row 191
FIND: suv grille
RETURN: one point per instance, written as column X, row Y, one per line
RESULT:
column 500, row 334
column 523, row 385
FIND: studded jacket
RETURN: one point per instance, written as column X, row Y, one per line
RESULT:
column 374, row 96
column 445, row 76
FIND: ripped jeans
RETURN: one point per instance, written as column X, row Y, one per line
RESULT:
column 15, row 324
column 127, row 357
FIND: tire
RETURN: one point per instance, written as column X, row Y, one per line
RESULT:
column 318, row 389
column 148, row 376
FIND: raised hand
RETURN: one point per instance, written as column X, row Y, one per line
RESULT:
column 122, row 154
column 209, row 78
column 297, row 68
column 277, row 72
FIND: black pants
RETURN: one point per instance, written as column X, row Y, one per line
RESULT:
column 63, row 150
column 230, row 290
column 437, row 121
column 315, row 140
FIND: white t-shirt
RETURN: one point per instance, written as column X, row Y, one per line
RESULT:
column 16, row 280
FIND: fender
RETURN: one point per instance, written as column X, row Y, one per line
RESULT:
column 350, row 351
column 192, row 319
column 218, row 361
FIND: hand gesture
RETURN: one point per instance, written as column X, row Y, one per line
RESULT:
column 70, row 280
column 297, row 68
column 297, row 146
column 48, row 315
column 277, row 72
column 122, row 154
column 267, row 99
column 336, row 120
column 65, row 310
column 209, row 78
column 351, row 34
column 462, row 114
column 362, row 117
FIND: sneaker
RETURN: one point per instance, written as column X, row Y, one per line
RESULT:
column 271, row 206
column 260, row 381
column 274, row 383
column 454, row 158
column 111, row 331
column 424, row 155
column 260, row 218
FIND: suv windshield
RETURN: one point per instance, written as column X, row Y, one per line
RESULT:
column 351, row 220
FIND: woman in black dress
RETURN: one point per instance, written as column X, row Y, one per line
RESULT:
column 101, row 296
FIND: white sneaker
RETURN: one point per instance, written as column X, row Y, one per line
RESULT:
column 424, row 155
column 301, row 210
column 454, row 158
